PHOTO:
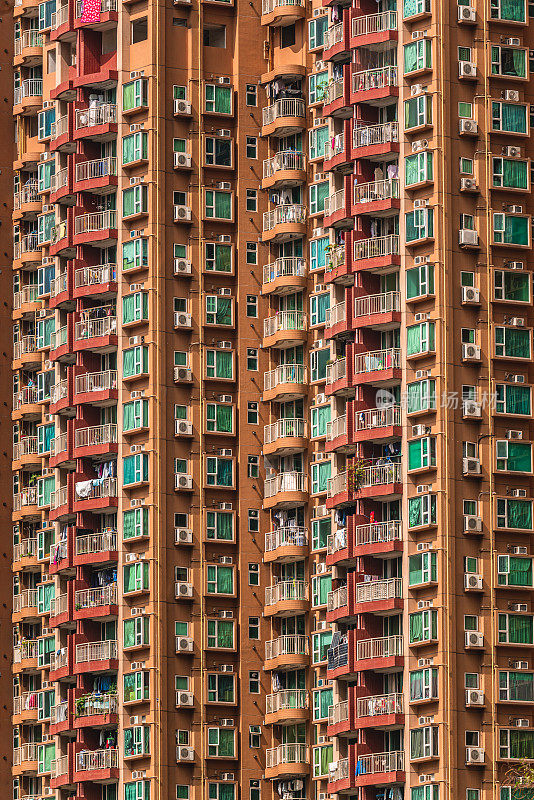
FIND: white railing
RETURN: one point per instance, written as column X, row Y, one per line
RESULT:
column 382, row 647
column 96, row 651
column 335, row 256
column 25, row 753
column 59, row 605
column 378, row 532
column 25, row 650
column 59, row 497
column 334, row 202
column 368, row 135
column 59, row 659
column 58, row 284
column 338, row 598
column 96, row 543
column 286, row 700
column 337, row 484
column 99, row 115
column 28, row 194
column 26, row 497
column 338, row 713
column 105, row 7
column 106, row 487
column 95, row 598
column 94, row 276
column 95, row 382
column 294, row 645
column 99, row 168
column 24, row 549
column 95, row 704
column 392, row 761
column 286, row 590
column 333, row 35
column 380, row 704
column 284, row 215
column 31, row 38
column 97, row 759
column 336, row 314
column 59, row 180
column 59, row 713
column 26, row 345
column 27, row 598
column 59, row 766
column 285, row 160
column 61, row 125
column 333, row 91
column 95, row 328
column 290, row 536
column 370, row 475
column 283, row 428
column 286, row 107
column 374, row 23
column 336, row 371
column 268, row 6
column 378, row 247
column 28, row 294
column 335, row 146
column 59, row 391
column 377, row 360
column 59, row 17
column 94, row 223
column 59, row 444
column 370, row 79
column 286, row 754
column 285, row 482
column 28, row 244
column 377, row 418
column 97, row 435
column 59, row 337
column 27, row 396
column 285, row 321
column 284, row 268
column 27, row 701
column 383, row 303
column 284, row 374
column 27, row 446
column 29, row 88
column 58, row 551
column 338, row 427
column 371, row 591
column 339, row 770
column 375, row 191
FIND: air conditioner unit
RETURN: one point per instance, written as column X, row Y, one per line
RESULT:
column 225, row 133
column 472, row 409
column 466, row 14
column 224, row 79
column 468, row 185
column 519, row 551
column 518, row 322
column 470, row 294
column 513, row 42
column 473, row 639
column 522, row 723
column 468, row 126
column 183, row 427
column 421, row 317
column 423, row 488
column 418, row 430
column 417, row 88
column 224, row 185
column 473, row 583
column 225, row 451
column 520, row 664
column 182, row 214
column 320, row 568
column 182, row 160
column 519, row 607
column 182, row 266
column 182, row 320
column 183, row 482
column 227, row 776
column 474, row 755
column 225, row 506
column 182, row 107
column 183, row 536
column 420, row 203
column 470, row 352
column 224, row 237
column 185, row 754
column 467, row 237
column 422, row 373
column 226, row 560
column 519, row 492
column 511, row 94
column 512, row 151
column 184, row 700
column 183, row 375
column 183, row 590
column 517, row 378
column 224, row 345
column 226, row 614
column 227, row 723
column 474, row 697
column 419, row 144
column 418, row 34
column 423, row 546
column 472, row 523
column 514, row 434
column 184, row 644
column 319, row 65
column 471, row 466
column 466, row 69
column 514, row 209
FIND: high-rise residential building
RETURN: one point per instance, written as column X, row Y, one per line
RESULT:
column 272, row 365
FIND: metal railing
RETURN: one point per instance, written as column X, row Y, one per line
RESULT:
column 286, row 754
column 286, row 700
column 336, row 371
column 94, row 223
column 29, row 88
column 334, row 202
column 95, row 328
column 372, row 591
column 292, row 267
column 375, row 191
column 26, row 497
column 368, row 135
column 97, row 651
column 26, row 345
column 374, row 23
column 289, row 536
column 61, row 125
column 59, row 497
column 95, row 382
column 335, row 256
column 97, row 759
column 30, row 38
column 339, row 770
column 382, row 647
column 336, row 314
column 94, row 436
column 28, row 294
column 284, row 160
column 268, row 6
column 59, row 180
column 285, row 482
column 285, row 321
column 58, row 284
column 284, row 374
column 94, row 704
column 27, row 396
column 59, row 17
column 286, row 107
column 338, row 427
column 106, row 487
column 95, row 598
column 338, row 598
column 27, row 244
column 95, row 276
column 27, row 548
column 286, row 590
column 99, row 168
column 25, row 753
column 378, row 532
column 378, row 247
column 291, row 213
column 377, row 360
column 371, row 475
column 335, row 146
column 337, row 484
column 392, row 761
column 59, row 766
column 28, row 446
column 370, row 79
column 338, row 713
column 283, row 428
column 99, row 115
column 59, row 605
column 333, row 91
column 27, row 701
column 59, row 337
column 383, row 303
column 96, row 543
column 59, row 659
column 25, row 650
column 59, row 391
column 27, row 598
column 294, row 645
column 377, row 418
column 333, row 35
column 380, row 704
column 28, row 194
column 59, row 713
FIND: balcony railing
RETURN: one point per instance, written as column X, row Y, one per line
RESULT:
column 96, row 651
column 94, row 223
column 99, row 115
column 336, row 371
column 372, row 591
column 26, row 346
column 333, row 35
column 285, row 160
column 374, row 23
column 338, row 598
column 339, row 770
column 29, row 88
column 380, row 704
column 95, row 276
column 379, row 247
column 338, row 713
column 371, row 475
column 27, row 396
column 27, row 244
column 383, row 303
column 94, row 436
column 24, row 753
column 25, row 650
column 377, row 360
column 58, row 284
column 26, row 497
column 95, row 328
column 337, row 484
column 392, row 761
column 284, row 268
column 286, row 700
column 29, row 38
column 59, row 391
column 284, row 374
column 370, row 79
column 59, row 337
column 59, row 497
column 338, row 427
column 335, row 146
column 383, row 647
column 59, row 713
column 24, row 549
column 286, row 754
column 335, row 202
column 294, row 536
column 99, row 168
column 27, row 701
column 27, row 598
column 95, row 382
column 285, row 321
column 378, row 418
column 285, row 482
column 368, row 135
column 284, row 215
column 96, row 543
column 59, row 180
column 105, row 7
column 60, row 17
column 284, row 428
column 27, row 446
column 28, row 294
column 97, row 759
column 96, row 598
column 59, row 605
column 59, row 659
column 336, row 314
column 333, row 91
column 286, row 590
column 59, row 766
column 94, row 704
column 28, row 194
column 106, row 487
column 286, row 107
column 375, row 191
column 286, row 646
column 378, row 532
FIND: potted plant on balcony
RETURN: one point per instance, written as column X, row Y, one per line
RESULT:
column 355, row 476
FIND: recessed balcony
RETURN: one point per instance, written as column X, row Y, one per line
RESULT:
column 365, row 597
column 339, row 377
column 25, row 350
column 381, row 769
column 337, row 153
column 377, row 253
column 285, row 328
column 25, row 503
column 284, row 117
column 336, row 41
column 336, row 319
column 25, row 759
column 25, row 655
column 336, row 267
column 96, row 176
column 287, row 168
column 338, row 438
column 98, row 123
column 26, row 403
column 378, row 198
column 97, row 603
column 286, row 544
column 337, row 211
column 96, row 440
column 96, row 388
column 27, row 250
column 24, row 552
column 97, row 765
column 284, row 276
column 28, row 48
column 285, row 382
column 286, row 598
column 96, row 656
column 375, row 84
column 107, row 17
column 372, row 539
column 281, row 12
column 373, row 29
column 285, row 436
column 95, row 548
column 99, row 494
column 99, row 335
column 286, row 652
column 285, row 489
column 368, row 479
column 28, row 97
column 347, row 657
column 380, row 311
column 99, row 230
column 378, row 367
column 286, row 761
column 95, row 709
column 286, row 706
column 25, row 302
column 375, row 140
column 380, row 712
column 378, row 424
column 99, row 280
column 284, row 223
column 25, row 707
column 27, row 203
column 26, row 451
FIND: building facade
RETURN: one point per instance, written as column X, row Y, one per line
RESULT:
column 272, row 399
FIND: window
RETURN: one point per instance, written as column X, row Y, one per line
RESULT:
column 422, row 510
column 214, row 36
column 218, row 205
column 218, row 99
column 320, row 418
column 179, row 92
column 221, row 688
column 136, row 686
column 514, row 571
column 220, row 634
column 136, row 577
column 318, row 361
column 135, row 523
column 136, row 632
column 179, row 22
column 420, row 338
column 182, row 791
column 419, row 224
column 511, row 285
column 220, row 579
column 317, row 84
column 134, row 307
column 251, row 94
column 512, row 399
column 252, row 305
column 516, row 686
column 253, row 520
column 218, row 257
column 322, row 757
column 512, row 342
column 424, row 742
column 219, row 471
column 428, row 792
column 219, row 310
column 251, row 253
column 252, row 413
column 316, row 31
column 255, row 790
column 320, row 475
column 413, row 8
column 422, row 568
column 423, row 685
column 135, row 147
column 181, row 358
column 253, row 466
column 421, row 396
column 514, row 744
column 422, row 453
column 221, row 743
column 418, row 168
column 219, row 418
column 140, row 790
column 418, row 111
column 287, row 36
column 220, row 526
column 254, row 682
column 319, row 305
column 420, row 281
column 220, row 364
column 515, row 12
column 218, row 790
column 45, row 173
column 321, row 586
column 137, row 740
column 135, row 201
column 508, row 61
column 320, row 644
column 135, row 94
column 464, row 54
column 423, row 626
column 467, row 166
column 321, row 529
column 218, row 152
column 513, row 456
column 465, row 110
column 511, row 229
column 318, row 194
column 516, row 628
column 44, row 125
column 509, row 117
column 417, row 56
column 514, row 514
column 510, row 173
column 322, row 700
column 317, row 138
column 135, row 254
column 135, row 469
column 252, row 359
column 139, row 30
column 254, row 736
column 251, row 145
column 252, row 200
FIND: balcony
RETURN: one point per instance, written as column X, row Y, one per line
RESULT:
column 99, row 229
column 97, row 440
column 25, row 350
column 59, row 500
column 95, row 709
column 60, row 606
column 98, row 280
column 376, row 197
column 60, row 182
column 96, row 123
column 96, row 656
column 284, row 223
column 378, row 424
column 286, row 652
column 96, row 603
column 26, row 549
column 25, row 301
column 25, row 654
column 375, row 84
column 383, row 705
column 96, row 334
column 337, row 436
column 59, row 392
column 281, row 12
column 286, row 760
column 95, row 388
column 286, row 544
column 336, row 320
column 371, row 140
column 58, row 286
column 286, row 327
column 28, row 96
column 97, row 765
column 26, row 451
column 287, row 168
column 285, row 489
column 25, row 759
column 337, row 209
column 339, row 377
column 286, row 706
column 286, row 598
column 364, row 597
column 283, row 276
column 384, row 647
column 285, row 436
column 95, row 548
column 380, row 311
column 28, row 48
column 336, row 42
column 381, row 769
column 97, row 175
column 60, row 660
column 335, row 270
column 284, row 117
column 376, row 253
column 25, row 707
column 378, row 367
column 287, row 382
column 25, row 502
column 374, row 29
column 96, row 494
column 355, row 541
column 376, row 712
column 347, row 657
column 27, row 201
column 27, row 249
column 367, row 479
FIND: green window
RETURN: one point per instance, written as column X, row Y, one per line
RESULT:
column 513, row 10
column 417, row 56
column 137, row 740
column 420, row 338
column 317, row 84
column 135, row 361
column 320, row 644
column 322, row 700
column 318, row 361
column 322, row 758
column 514, row 571
column 421, row 396
column 136, row 577
column 219, row 471
column 135, row 94
column 218, row 205
column 45, row 329
column 512, row 342
column 218, row 790
column 422, row 453
column 424, row 742
column 45, row 121
column 218, row 99
column 220, row 526
column 45, row 171
column 512, row 399
column 318, row 194
column 423, row 626
column 45, row 595
column 420, row 281
column 135, row 523
column 219, row 310
column 422, row 510
column 422, row 568
column 318, row 137
column 134, row 307
column 136, row 632
column 135, row 200
column 320, row 418
column 46, row 223
column 515, row 628
column 219, row 418
column 511, row 229
column 516, row 686
column 320, row 475
column 45, row 487
column 218, row 257
column 412, row 8
column 46, row 647
column 319, row 305
column 138, row 790
column 220, row 364
column 418, row 111
column 220, row 688
column 518, row 745
column 321, row 529
column 135, row 469
column 514, row 513
column 136, row 686
column 221, row 743
column 45, row 434
column 513, row 456
column 135, row 254
column 423, row 685
column 135, row 415
column 321, row 586
column 418, row 168
column 218, row 151
column 316, row 31
column 46, row 753
column 419, row 224
column 512, row 285
column 220, row 634
column 319, row 253
column 509, row 117
column 509, row 173
column 135, row 147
